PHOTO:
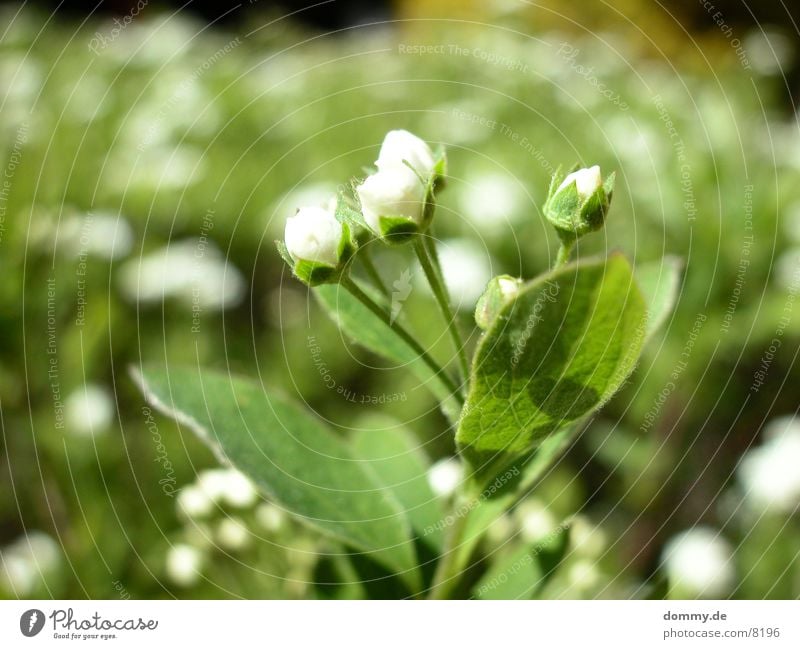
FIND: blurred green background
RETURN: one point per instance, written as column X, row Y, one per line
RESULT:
column 149, row 167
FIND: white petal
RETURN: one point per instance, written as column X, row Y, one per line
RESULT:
column 586, row 180
column 393, row 191
column 402, row 145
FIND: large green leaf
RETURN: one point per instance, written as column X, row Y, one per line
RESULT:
column 372, row 333
column 291, row 456
column 397, row 460
column 558, row 351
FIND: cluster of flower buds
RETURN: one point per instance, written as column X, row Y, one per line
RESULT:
column 578, row 202
column 396, row 204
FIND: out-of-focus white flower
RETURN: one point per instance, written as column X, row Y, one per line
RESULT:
column 101, row 234
column 194, row 502
column 583, row 575
column 313, row 234
column 467, row 269
column 787, row 268
column 768, row 51
column 232, row 534
column 228, row 486
column 270, row 517
column 394, row 191
column 445, row 476
column 791, row 221
column 769, row 473
column 89, row 410
column 492, row 201
column 698, row 563
column 500, row 530
column 183, row 564
column 238, row 490
column 192, row 271
column 27, row 561
column 402, row 145
column 586, row 539
column 587, row 181
column 535, row 520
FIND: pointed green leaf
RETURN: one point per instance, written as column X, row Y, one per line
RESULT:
column 291, row 455
column 554, row 354
column 395, row 456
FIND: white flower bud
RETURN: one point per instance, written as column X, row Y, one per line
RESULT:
column 401, row 145
column 587, row 181
column 314, row 234
column 393, row 192
column 579, row 203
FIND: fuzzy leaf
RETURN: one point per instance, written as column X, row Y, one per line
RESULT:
column 554, row 354
column 401, row 466
column 291, row 455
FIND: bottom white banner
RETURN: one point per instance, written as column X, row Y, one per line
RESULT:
column 372, row 624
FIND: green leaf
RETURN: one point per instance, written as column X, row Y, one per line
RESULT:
column 526, row 572
column 294, row 459
column 372, row 333
column 395, row 456
column 554, row 354
column 659, row 282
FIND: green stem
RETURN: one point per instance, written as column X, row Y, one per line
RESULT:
column 367, row 301
column 564, row 252
column 442, row 299
column 449, row 568
column 372, row 271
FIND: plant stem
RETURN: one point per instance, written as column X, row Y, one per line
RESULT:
column 348, row 283
column 564, row 252
column 372, row 271
column 445, row 579
column 443, row 300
